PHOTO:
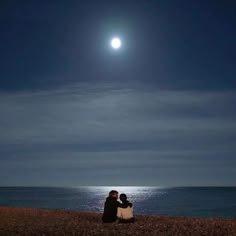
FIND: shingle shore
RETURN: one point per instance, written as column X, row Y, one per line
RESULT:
column 30, row 221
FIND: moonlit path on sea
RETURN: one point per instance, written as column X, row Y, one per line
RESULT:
column 216, row 202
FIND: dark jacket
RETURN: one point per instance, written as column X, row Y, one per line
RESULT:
column 110, row 210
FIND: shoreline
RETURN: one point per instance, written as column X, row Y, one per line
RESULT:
column 36, row 221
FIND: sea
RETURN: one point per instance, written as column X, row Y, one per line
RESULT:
column 204, row 202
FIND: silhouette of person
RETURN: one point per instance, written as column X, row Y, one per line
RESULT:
column 110, row 207
column 125, row 210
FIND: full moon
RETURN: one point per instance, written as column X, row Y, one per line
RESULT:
column 116, row 43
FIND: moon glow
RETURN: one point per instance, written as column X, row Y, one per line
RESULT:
column 116, row 43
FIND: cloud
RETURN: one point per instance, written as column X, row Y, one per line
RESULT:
column 104, row 127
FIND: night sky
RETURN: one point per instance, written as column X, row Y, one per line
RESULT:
column 158, row 111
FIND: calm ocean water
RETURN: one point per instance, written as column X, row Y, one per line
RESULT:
column 214, row 202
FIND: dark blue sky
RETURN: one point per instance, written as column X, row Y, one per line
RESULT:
column 159, row 111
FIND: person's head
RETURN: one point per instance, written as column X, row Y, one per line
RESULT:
column 113, row 193
column 123, row 197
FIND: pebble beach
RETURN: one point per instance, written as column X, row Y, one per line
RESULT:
column 31, row 221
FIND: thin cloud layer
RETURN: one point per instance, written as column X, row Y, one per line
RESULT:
column 92, row 130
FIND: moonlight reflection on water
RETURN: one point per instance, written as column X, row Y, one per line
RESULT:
column 136, row 194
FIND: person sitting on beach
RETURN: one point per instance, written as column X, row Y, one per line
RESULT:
column 110, row 207
column 125, row 210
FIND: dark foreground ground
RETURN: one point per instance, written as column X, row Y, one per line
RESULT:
column 23, row 221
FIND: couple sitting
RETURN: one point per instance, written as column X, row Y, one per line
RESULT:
column 113, row 209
